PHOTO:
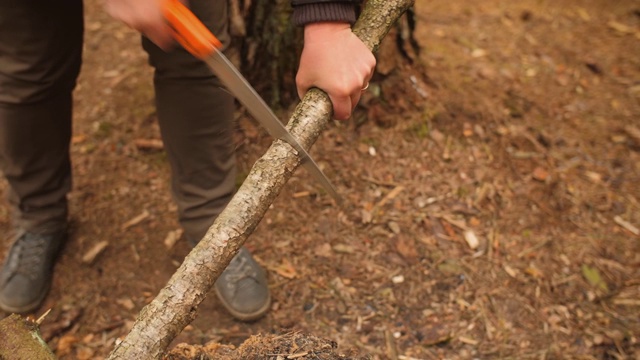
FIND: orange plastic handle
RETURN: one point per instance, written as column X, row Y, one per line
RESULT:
column 189, row 31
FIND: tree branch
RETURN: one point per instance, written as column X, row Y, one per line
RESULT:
column 175, row 306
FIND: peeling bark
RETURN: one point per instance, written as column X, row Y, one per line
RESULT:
column 175, row 306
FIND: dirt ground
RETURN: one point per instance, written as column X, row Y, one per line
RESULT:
column 493, row 197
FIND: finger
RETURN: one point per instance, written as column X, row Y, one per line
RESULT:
column 341, row 107
column 355, row 98
column 160, row 35
column 301, row 86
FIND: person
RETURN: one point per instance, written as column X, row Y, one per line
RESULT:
column 40, row 59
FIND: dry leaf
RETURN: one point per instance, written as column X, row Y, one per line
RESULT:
column 78, row 139
column 594, row 278
column 85, row 353
column 65, row 345
column 534, row 272
column 395, row 228
column 406, row 247
column 286, row 270
column 540, row 174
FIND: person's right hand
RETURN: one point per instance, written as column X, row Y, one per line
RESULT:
column 143, row 15
column 335, row 60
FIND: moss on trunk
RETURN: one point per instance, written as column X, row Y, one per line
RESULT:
column 20, row 339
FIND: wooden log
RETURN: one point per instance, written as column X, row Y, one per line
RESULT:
column 176, row 304
column 20, row 339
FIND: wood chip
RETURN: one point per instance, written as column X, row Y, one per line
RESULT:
column 621, row 28
column 633, row 131
column 511, row 271
column 148, row 144
column 468, row 341
column 471, row 239
column 627, row 225
column 343, row 248
column 136, row 220
column 172, row 238
column 298, row 355
column 390, row 196
column 90, row 256
column 126, row 303
column 301, row 194
column 286, row 270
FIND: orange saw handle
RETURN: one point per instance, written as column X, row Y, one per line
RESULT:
column 189, row 31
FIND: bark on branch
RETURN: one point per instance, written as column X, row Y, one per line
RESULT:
column 175, row 306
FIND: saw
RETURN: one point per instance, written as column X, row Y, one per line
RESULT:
column 194, row 36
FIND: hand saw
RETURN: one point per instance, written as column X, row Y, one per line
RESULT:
column 201, row 43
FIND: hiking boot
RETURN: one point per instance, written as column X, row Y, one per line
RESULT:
column 26, row 275
column 242, row 288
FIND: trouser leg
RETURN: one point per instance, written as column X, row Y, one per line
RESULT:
column 195, row 116
column 40, row 55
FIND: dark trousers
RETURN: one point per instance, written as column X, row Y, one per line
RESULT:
column 40, row 57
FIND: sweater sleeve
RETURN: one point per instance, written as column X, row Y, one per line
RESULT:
column 310, row 11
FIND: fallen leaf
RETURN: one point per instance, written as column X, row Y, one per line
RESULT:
column 540, row 174
column 406, row 247
column 594, row 278
column 286, row 270
column 65, row 345
column 394, row 227
column 534, row 272
column 467, row 130
column 77, row 139
column 85, row 353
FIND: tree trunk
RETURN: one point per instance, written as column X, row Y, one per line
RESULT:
column 269, row 48
column 176, row 304
column 20, row 339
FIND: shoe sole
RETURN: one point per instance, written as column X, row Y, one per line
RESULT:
column 245, row 316
column 27, row 308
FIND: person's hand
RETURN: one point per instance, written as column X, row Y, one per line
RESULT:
column 142, row 15
column 335, row 60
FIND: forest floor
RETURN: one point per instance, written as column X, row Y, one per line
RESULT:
column 493, row 197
